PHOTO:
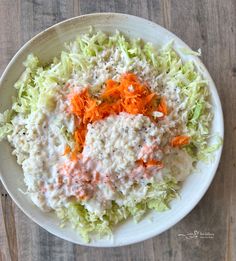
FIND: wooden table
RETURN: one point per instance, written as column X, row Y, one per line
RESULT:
column 210, row 25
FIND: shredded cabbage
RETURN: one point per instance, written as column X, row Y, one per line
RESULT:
column 5, row 123
column 36, row 89
column 190, row 52
column 88, row 223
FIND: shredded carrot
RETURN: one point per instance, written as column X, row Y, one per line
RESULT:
column 67, row 150
column 153, row 162
column 180, row 141
column 111, row 89
column 128, row 95
column 150, row 163
column 73, row 155
column 162, row 107
column 79, row 136
column 140, row 162
column 97, row 178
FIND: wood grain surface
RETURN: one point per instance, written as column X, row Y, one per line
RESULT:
column 206, row 24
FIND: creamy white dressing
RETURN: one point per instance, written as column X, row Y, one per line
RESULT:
column 39, row 146
column 116, row 140
column 179, row 164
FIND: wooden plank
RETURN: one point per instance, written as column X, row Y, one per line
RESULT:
column 9, row 43
column 10, row 31
column 4, row 246
column 207, row 24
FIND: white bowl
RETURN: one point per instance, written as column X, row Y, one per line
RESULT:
column 48, row 44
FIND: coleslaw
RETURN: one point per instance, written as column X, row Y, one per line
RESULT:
column 109, row 130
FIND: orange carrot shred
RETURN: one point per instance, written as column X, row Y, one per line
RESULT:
column 67, row 150
column 179, row 141
column 153, row 162
column 73, row 156
column 97, row 177
column 140, row 162
column 162, row 107
column 149, row 163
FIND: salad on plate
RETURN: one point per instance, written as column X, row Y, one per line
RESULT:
column 109, row 130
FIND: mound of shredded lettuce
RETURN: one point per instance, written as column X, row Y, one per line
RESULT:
column 158, row 197
column 35, row 91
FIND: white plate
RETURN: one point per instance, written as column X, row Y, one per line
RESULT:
column 48, row 44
